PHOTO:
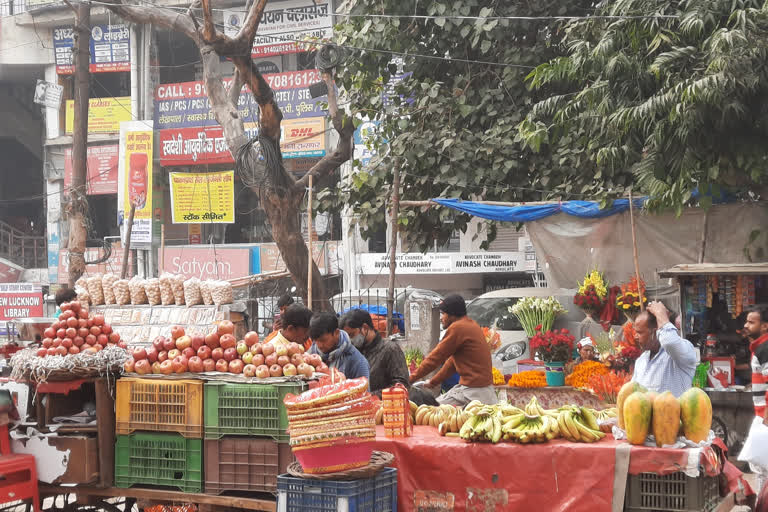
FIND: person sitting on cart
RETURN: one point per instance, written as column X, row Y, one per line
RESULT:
column 334, row 347
column 668, row 362
column 63, row 295
column 463, row 349
column 295, row 322
column 586, row 353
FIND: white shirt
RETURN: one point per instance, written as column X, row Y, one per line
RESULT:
column 673, row 366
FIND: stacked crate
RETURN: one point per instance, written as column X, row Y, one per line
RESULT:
column 246, row 439
column 159, row 433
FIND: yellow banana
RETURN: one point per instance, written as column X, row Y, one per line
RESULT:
column 569, row 423
column 587, row 433
column 589, row 418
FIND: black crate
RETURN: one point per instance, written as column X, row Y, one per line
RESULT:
column 676, row 492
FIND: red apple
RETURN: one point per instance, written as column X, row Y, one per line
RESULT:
column 251, row 338
column 82, row 323
column 55, row 326
column 72, row 323
column 98, row 320
column 143, row 367
column 227, row 341
column 256, row 348
column 306, row 370
column 180, row 364
column 183, row 342
column 267, row 349
column 47, row 342
column 297, row 359
column 98, row 347
column 270, row 359
column 258, row 360
column 177, row 332
column 195, row 364
column 275, row 370
column 174, row 353
column 162, row 356
column 166, row 367
column 71, row 332
column 169, row 344
column 95, row 330
column 241, row 348
column 204, row 352
column 78, row 341
column 122, row 344
column 283, row 360
column 322, row 367
column 230, row 354
column 236, row 366
column 198, row 340
column 67, row 342
column 128, row 365
column 50, row 332
column 56, row 342
column 102, row 339
column 114, row 337
column 106, row 329
column 294, row 348
column 249, row 370
column 42, row 352
column 159, row 343
column 225, row 327
column 83, row 332
column 222, row 365
column 75, row 305
column 189, row 352
column 212, row 340
column 247, row 358
column 281, row 349
column 83, row 313
column 65, row 306
column 217, row 353
column 90, row 339
column 315, row 360
column 51, row 351
column 289, row 370
column 209, row 365
column 262, row 371
column 156, row 367
column 61, row 333
column 152, row 354
column 74, row 350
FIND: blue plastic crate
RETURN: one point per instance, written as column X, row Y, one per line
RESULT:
column 377, row 494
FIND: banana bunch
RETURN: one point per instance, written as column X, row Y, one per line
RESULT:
column 605, row 414
column 533, row 425
column 445, row 418
column 485, row 425
column 578, row 424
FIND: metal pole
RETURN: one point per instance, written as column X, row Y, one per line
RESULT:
column 310, row 259
column 127, row 248
column 634, row 250
column 393, row 246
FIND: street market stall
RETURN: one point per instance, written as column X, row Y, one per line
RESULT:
column 715, row 299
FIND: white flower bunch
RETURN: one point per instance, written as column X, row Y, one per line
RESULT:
column 535, row 311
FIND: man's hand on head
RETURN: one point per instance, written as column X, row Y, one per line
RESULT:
column 660, row 311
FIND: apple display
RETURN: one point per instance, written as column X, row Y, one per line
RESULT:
column 230, row 354
column 217, row 353
column 209, row 365
column 236, row 366
column 204, row 352
column 289, row 370
column 222, row 365
column 195, row 364
column 227, row 341
column 142, row 367
column 276, row 370
column 249, row 370
column 262, row 371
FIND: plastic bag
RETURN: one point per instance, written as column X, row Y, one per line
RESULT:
column 107, row 284
column 166, row 289
column 755, row 450
column 82, row 295
column 192, row 294
column 221, row 291
column 95, row 290
column 177, row 284
column 122, row 292
column 138, row 293
column 205, row 291
column 152, row 289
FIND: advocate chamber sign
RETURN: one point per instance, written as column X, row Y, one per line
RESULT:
column 442, row 263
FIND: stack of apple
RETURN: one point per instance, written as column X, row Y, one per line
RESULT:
column 76, row 331
column 220, row 351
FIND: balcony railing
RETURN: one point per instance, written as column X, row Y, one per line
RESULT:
column 22, row 249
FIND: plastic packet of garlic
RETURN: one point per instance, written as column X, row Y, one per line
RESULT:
column 95, row 290
column 107, row 282
column 122, row 292
column 221, row 292
column 177, row 284
column 205, row 291
column 192, row 293
column 136, row 289
column 166, row 289
column 152, row 289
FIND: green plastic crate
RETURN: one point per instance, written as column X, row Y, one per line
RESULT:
column 247, row 409
column 159, row 459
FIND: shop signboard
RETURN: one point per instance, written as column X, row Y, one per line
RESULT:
column 441, row 263
column 20, row 300
column 9, row 272
column 102, row 169
column 104, row 114
column 110, row 49
column 284, row 25
column 209, row 262
column 207, row 197
column 135, row 175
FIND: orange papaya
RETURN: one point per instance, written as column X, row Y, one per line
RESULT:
column 665, row 418
column 637, row 417
column 652, row 396
column 696, row 414
column 626, row 390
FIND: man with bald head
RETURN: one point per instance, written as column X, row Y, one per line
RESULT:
column 668, row 361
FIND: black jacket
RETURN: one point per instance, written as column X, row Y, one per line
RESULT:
column 387, row 363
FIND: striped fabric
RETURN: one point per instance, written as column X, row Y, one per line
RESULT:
column 759, row 363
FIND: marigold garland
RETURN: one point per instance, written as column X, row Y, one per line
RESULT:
column 498, row 377
column 582, row 372
column 528, row 379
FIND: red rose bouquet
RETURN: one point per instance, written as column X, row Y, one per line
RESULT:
column 552, row 346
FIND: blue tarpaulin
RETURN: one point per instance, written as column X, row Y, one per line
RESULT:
column 528, row 213
column 381, row 311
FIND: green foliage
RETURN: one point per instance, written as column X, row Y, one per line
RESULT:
column 669, row 104
column 451, row 126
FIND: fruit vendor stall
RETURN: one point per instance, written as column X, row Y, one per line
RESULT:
column 715, row 300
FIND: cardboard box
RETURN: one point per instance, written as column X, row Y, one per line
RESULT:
column 62, row 459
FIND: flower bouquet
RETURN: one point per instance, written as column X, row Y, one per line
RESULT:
column 607, row 386
column 631, row 297
column 537, row 311
column 622, row 358
column 592, row 293
column 552, row 346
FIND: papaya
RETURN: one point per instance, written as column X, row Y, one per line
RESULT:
column 665, row 418
column 652, row 396
column 696, row 414
column 626, row 390
column 637, row 417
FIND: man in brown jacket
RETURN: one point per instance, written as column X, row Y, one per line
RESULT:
column 463, row 349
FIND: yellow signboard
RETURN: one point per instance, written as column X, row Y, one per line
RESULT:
column 104, row 114
column 203, row 197
column 137, row 179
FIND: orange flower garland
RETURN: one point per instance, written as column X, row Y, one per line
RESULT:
column 528, row 379
column 579, row 378
column 498, row 377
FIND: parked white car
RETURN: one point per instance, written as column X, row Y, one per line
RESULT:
column 492, row 310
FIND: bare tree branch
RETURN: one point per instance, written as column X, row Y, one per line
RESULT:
column 158, row 17
column 236, row 87
column 270, row 115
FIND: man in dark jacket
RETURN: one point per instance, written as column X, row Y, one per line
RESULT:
column 334, row 347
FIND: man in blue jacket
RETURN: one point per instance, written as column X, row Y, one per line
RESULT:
column 334, row 347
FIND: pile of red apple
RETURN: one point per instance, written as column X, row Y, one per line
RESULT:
column 220, row 351
column 76, row 331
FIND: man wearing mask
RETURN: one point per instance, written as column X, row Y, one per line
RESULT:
column 385, row 358
column 334, row 347
column 463, row 349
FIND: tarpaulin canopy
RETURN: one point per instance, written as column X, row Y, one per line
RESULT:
column 528, row 213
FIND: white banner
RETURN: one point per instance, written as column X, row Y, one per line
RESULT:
column 442, row 263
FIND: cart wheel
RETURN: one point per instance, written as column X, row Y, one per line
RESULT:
column 718, row 427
